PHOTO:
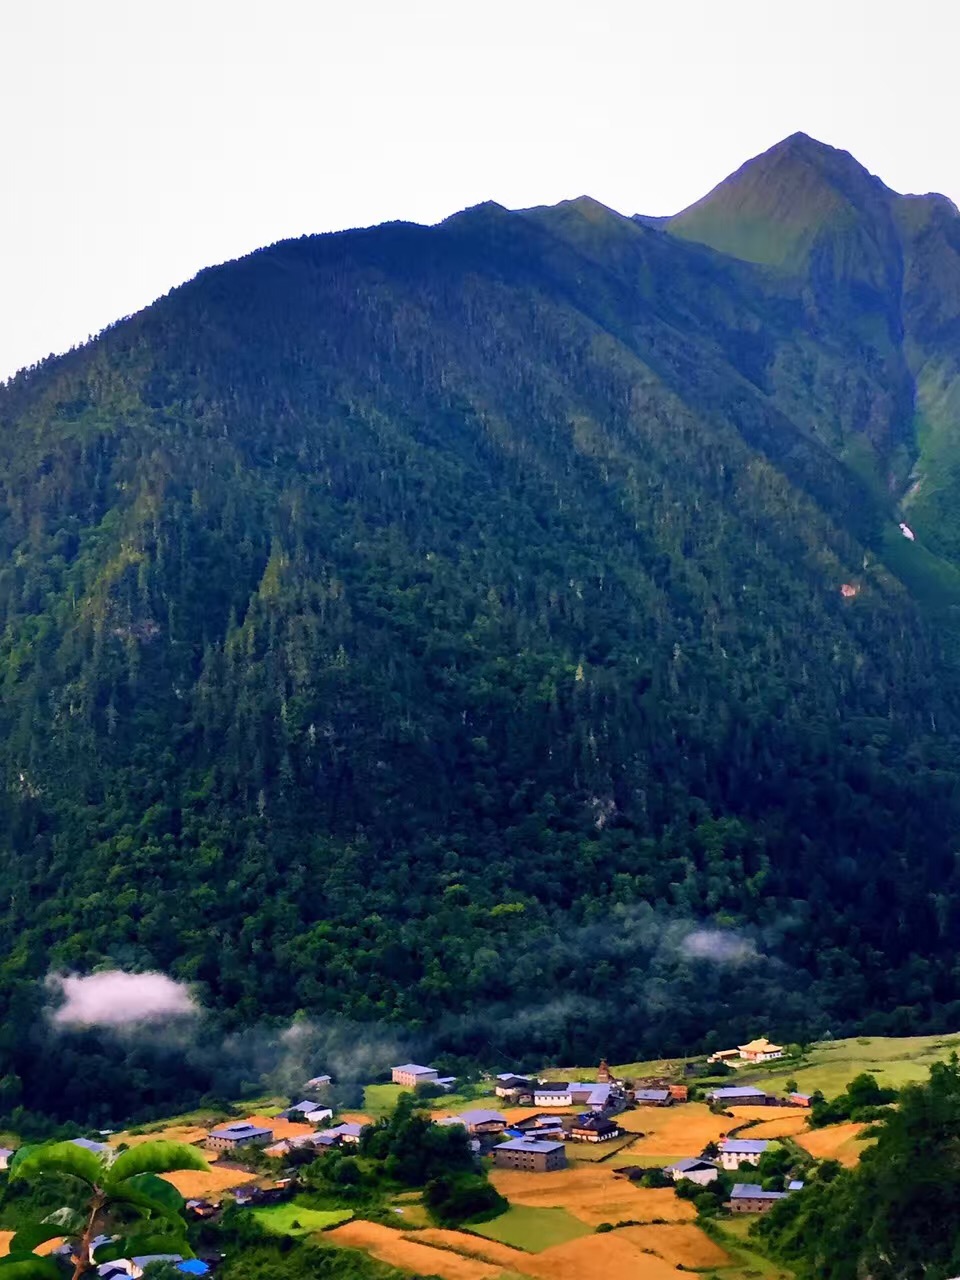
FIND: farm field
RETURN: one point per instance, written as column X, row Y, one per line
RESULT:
column 352, row 1117
column 613, row 1256
column 682, row 1130
column 380, row 1099
column 592, row 1193
column 471, row 1246
column 653, row 1252
column 835, row 1142
column 401, row 1249
column 682, row 1244
column 765, row 1113
column 627, row 1070
column 830, row 1065
column 788, row 1125
column 281, row 1128
column 531, row 1228
column 598, row 1152
column 207, row 1184
column 735, row 1236
column 296, row 1220
column 173, row 1133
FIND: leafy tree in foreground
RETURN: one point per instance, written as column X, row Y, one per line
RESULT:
column 125, row 1193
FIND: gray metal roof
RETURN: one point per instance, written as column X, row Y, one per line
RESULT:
column 346, row 1130
column 753, row 1191
column 411, row 1068
column 482, row 1116
column 529, row 1144
column 746, row 1146
column 744, row 1091
column 240, row 1131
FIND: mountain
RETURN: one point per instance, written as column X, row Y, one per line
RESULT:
column 500, row 630
column 883, row 268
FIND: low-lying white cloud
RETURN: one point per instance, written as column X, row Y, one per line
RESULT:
column 716, row 945
column 113, row 998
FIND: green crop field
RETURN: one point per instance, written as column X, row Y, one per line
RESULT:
column 532, row 1229
column 594, row 1152
column 295, row 1220
column 380, row 1099
column 830, row 1065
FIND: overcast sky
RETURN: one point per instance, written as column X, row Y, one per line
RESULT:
column 144, row 139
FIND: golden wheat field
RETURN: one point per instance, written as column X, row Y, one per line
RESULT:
column 653, row 1252
column 592, row 1194
column 173, row 1133
column 501, row 1255
column 352, row 1117
column 401, row 1250
column 207, row 1184
column 607, row 1257
column 281, row 1128
column 682, row 1244
column 787, row 1125
column 763, row 1113
column 682, row 1130
column 835, row 1142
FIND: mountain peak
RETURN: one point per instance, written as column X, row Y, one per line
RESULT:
column 774, row 207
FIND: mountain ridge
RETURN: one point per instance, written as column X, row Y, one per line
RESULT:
column 414, row 623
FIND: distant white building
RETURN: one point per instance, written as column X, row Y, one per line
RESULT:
column 738, row 1151
column 698, row 1170
column 552, row 1095
column 760, row 1051
column 907, row 532
column 410, row 1074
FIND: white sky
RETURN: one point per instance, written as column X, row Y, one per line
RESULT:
column 144, row 139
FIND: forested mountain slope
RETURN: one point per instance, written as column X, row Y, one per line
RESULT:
column 420, row 623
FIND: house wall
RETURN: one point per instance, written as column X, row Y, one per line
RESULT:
column 702, row 1177
column 746, row 1205
column 532, row 1161
column 231, row 1144
column 411, row 1081
column 734, row 1159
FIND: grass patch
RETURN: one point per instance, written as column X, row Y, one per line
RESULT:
column 297, row 1220
column 933, row 581
column 594, row 1152
column 410, row 1213
column 380, row 1099
column 830, row 1065
column 532, row 1229
column 733, row 1234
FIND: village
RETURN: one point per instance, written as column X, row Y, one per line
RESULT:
column 640, row 1159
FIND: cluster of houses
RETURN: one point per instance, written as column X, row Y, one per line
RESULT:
column 535, row 1143
column 131, row 1268
column 734, row 1154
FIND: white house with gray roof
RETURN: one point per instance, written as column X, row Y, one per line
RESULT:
column 696, row 1169
column 735, row 1152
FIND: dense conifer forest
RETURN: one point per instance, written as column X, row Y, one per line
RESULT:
column 445, row 627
